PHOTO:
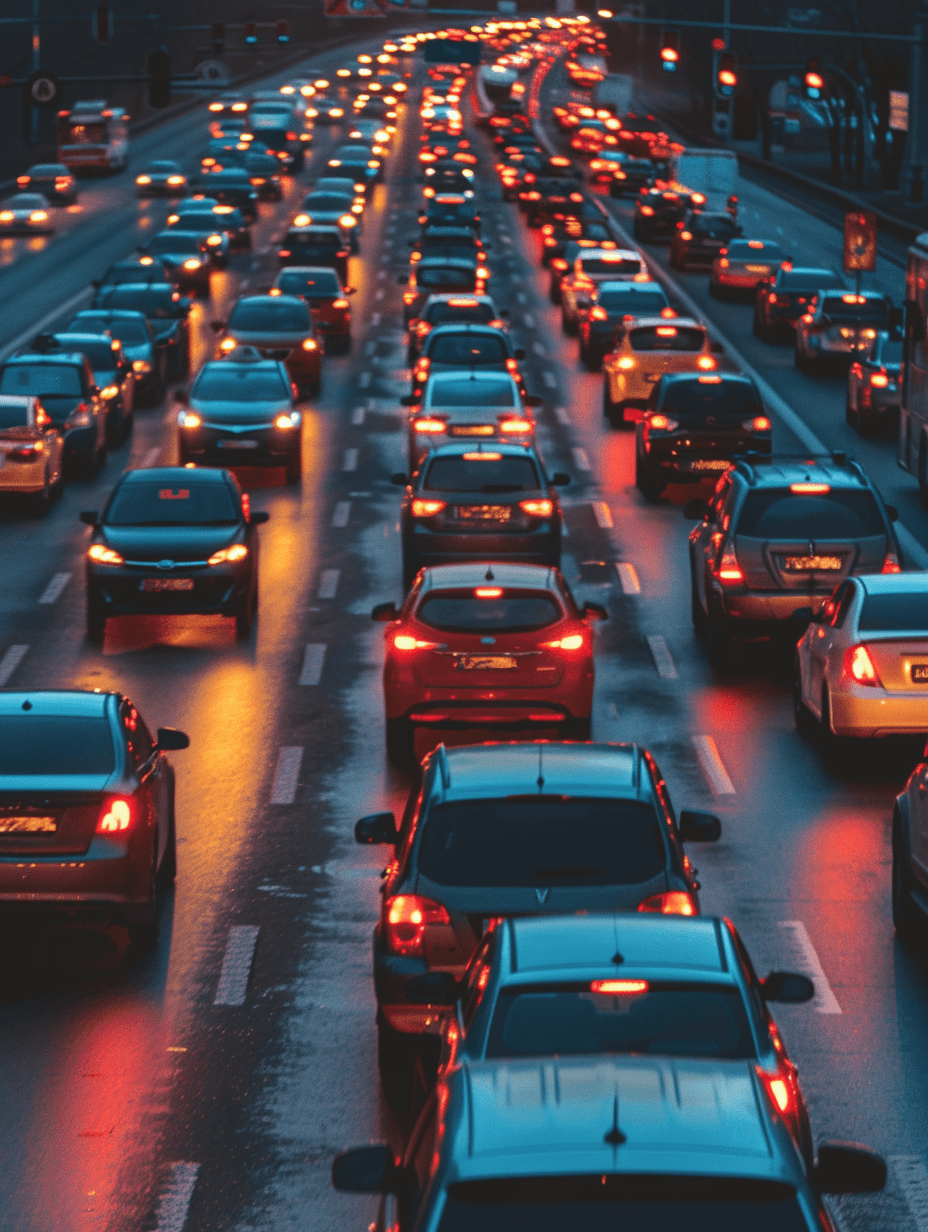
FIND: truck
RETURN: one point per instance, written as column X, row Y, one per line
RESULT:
column 614, row 93
column 92, row 136
column 912, row 453
column 708, row 177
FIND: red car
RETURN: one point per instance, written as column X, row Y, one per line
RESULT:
column 322, row 289
column 488, row 646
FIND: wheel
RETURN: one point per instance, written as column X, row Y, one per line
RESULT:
column 400, row 741
column 43, row 499
column 396, row 1059
column 721, row 647
column 802, row 715
column 832, row 746
column 142, row 918
column 698, row 616
column 96, row 622
column 907, row 919
column 246, row 613
column 295, row 467
column 168, row 870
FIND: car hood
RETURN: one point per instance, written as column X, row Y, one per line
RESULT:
column 176, row 543
column 239, row 414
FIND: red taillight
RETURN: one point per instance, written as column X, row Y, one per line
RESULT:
column 729, row 572
column 619, row 988
column 760, row 423
column 573, row 641
column 537, row 508
column 671, row 902
column 661, row 423
column 402, row 641
column 559, row 263
column 284, row 252
column 430, row 426
column 340, row 303
column 599, row 314
column 550, row 241
column 427, row 508
column 512, row 365
column 879, row 379
column 772, row 297
column 778, row 1089
column 891, row 564
column 647, row 211
column 860, row 667
column 407, row 918
column 515, row 425
column 117, row 816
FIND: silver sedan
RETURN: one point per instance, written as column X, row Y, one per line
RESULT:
column 25, row 214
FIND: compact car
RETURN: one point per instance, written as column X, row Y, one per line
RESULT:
column 699, row 238
column 139, row 344
column 646, row 350
column 613, row 304
column 475, row 405
column 31, row 451
column 328, row 302
column 781, row 300
column 26, row 213
column 874, row 385
column 592, row 266
column 113, row 373
column 279, row 327
column 838, row 328
column 744, row 266
column 464, row 347
column 162, row 177
column 64, row 383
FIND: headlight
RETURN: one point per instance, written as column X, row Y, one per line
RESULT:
column 189, row 419
column 228, row 344
column 192, row 263
column 302, row 220
column 285, row 422
column 6, row 216
column 141, row 365
column 358, row 207
column 174, row 180
column 38, row 216
column 347, row 220
column 214, row 240
column 143, row 179
column 103, row 555
column 109, row 391
column 238, row 551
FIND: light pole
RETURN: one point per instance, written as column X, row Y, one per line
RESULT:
column 914, row 178
column 36, row 65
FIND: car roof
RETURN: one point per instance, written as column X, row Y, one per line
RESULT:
column 117, row 314
column 68, row 359
column 465, row 577
column 76, row 702
column 312, row 228
column 487, row 771
column 465, row 327
column 175, row 474
column 777, row 472
column 666, row 322
column 445, row 297
column 635, row 288
column 250, row 364
column 915, row 582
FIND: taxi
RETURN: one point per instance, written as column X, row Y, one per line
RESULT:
column 31, row 450
column 644, row 351
column 745, row 265
column 592, row 266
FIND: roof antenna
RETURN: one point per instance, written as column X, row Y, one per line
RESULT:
column 614, row 1136
column 488, row 576
column 541, row 776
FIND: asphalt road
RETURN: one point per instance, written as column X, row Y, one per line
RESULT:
column 205, row 1086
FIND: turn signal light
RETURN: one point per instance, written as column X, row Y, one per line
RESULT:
column 431, row 427
column 860, row 667
column 573, row 641
column 427, row 508
column 619, row 988
column 537, row 508
column 671, row 902
column 103, row 555
column 647, row 210
column 116, row 817
column 407, row 918
column 192, row 263
column 238, row 551
column 705, row 362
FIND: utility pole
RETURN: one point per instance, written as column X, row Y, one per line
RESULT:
column 36, row 63
column 914, row 176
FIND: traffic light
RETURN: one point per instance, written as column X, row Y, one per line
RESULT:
column 159, row 77
column 726, row 78
column 814, row 81
column 219, row 36
column 670, row 51
column 101, row 23
column 251, row 33
column 283, row 32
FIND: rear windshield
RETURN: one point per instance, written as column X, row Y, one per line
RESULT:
column 175, row 241
column 130, row 331
column 666, row 338
column 714, row 227
column 762, row 250
column 320, row 282
column 271, row 314
column 48, row 171
column 838, row 514
column 467, row 314
column 487, row 472
column 692, row 401
column 872, row 311
column 156, row 302
column 451, row 278
column 14, row 415
column 55, row 744
column 464, row 612
column 100, row 352
column 239, row 383
column 541, row 841
column 328, row 203
column 471, row 393
column 183, row 504
column 313, row 239
column 641, row 303
column 605, row 265
column 808, row 280
column 689, row 1020
column 135, row 273
column 41, row 380
column 888, row 613
column 462, row 350
column 201, row 220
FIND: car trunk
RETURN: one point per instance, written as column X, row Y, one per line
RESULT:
column 901, row 662
column 806, row 564
column 48, row 823
column 514, row 661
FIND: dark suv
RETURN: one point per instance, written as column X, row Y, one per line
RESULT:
column 775, row 540
column 783, row 299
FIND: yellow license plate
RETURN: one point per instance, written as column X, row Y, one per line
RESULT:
column 160, row 584
column 758, row 269
column 809, row 564
column 28, row 825
column 484, row 513
column 483, row 663
column 472, row 430
column 709, row 464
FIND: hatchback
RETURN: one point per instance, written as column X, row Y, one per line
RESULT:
column 31, row 451
column 614, row 304
column 874, row 385
column 593, row 266
column 279, row 327
column 699, row 238
column 645, row 351
column 475, row 405
column 781, row 300
column 838, row 328
column 329, row 307
column 743, row 266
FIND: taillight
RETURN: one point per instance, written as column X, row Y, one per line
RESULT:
column 515, row 425
column 430, row 426
column 772, row 297
column 879, row 379
column 427, row 508
column 779, row 1092
column 671, row 902
column 512, row 365
column 421, row 370
column 619, row 988
column 728, row 571
column 27, row 453
column 860, row 667
column 117, row 815
column 724, row 263
column 760, row 423
column 559, row 263
column 598, row 314
column 407, row 918
column 573, row 641
column 550, row 241
column 706, row 363
column 403, row 641
column 688, row 235
column 340, row 303
column 661, row 423
column 537, row 508
column 891, row 564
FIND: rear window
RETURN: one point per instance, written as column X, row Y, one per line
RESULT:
column 466, row 314
column 471, row 393
column 541, row 841
column 174, row 242
column 55, row 744
column 156, row 301
column 606, row 265
column 641, row 303
column 272, row 314
column 839, row 308
column 891, row 354
column 131, row 331
column 464, row 612
column 14, row 415
column 100, row 353
column 666, row 338
column 692, row 1020
column 320, row 282
column 161, row 504
column 888, row 613
column 328, row 203
column 463, row 350
column 239, row 383
column 487, row 472
column 838, row 514
column 41, row 380
column 762, row 250
column 691, row 402
column 313, row 239
column 806, row 280
column 451, row 278
column 713, row 227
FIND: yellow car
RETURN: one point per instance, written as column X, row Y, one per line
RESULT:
column 644, row 351
column 31, row 450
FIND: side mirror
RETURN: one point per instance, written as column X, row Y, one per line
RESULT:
column 384, row 612
column 435, row 988
column 402, row 280
column 533, row 400
column 594, row 611
column 399, row 479
column 408, row 400
column 519, row 353
column 847, row 1167
column 787, row 988
column 89, row 516
column 695, row 510
column 170, row 738
column 560, row 480
column 181, row 397
column 216, row 326
column 375, row 829
column 259, row 517
column 893, row 513
column 365, row 1169
column 699, row 827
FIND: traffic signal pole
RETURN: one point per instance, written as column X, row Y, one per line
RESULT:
column 914, row 185
column 36, row 65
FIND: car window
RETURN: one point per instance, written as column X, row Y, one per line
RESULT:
column 137, row 736
column 14, row 414
column 41, row 380
column 713, row 227
column 838, row 514
column 472, row 393
column 666, row 338
column 692, row 402
column 888, row 613
column 131, row 331
column 162, row 504
column 763, row 250
column 328, row 203
column 542, row 841
column 223, row 382
column 174, row 242
column 157, row 301
column 320, row 283
column 271, row 314
column 313, row 239
column 502, row 611
column 451, row 277
column 475, row 313
column 641, row 303
column 462, row 350
column 40, row 744
column 848, row 308
column 611, row 265
column 482, row 472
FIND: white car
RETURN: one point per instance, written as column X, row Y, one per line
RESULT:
column 31, row 450
column 25, row 214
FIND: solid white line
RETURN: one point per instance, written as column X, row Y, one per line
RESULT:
column 62, row 310
column 603, row 515
column 912, row 1178
column 628, row 578
column 357, row 416
column 342, row 513
column 663, row 659
column 10, row 661
column 151, row 458
column 581, row 459
column 175, row 1200
column 236, row 965
column 808, row 962
column 313, row 662
column 549, row 379
column 562, row 415
column 350, row 460
column 713, row 767
column 328, row 583
column 376, row 318
column 287, row 774
column 364, row 380
column 539, row 348
column 55, row 587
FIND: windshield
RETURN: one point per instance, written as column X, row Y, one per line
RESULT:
column 273, row 315
column 471, row 393
column 174, row 242
column 463, row 612
column 154, row 504
column 130, row 331
column 838, row 514
column 610, row 265
column 462, row 350
column 871, row 312
column 713, row 226
column 42, row 744
column 41, row 380
column 759, row 250
column 443, row 312
column 540, row 841
column 889, row 613
column 639, row 303
column 320, row 283
column 452, row 278
column 99, row 351
column 666, row 338
column 14, row 414
column 224, row 382
column 487, row 472
column 692, row 402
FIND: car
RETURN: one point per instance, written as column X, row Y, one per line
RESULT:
column 499, row 649
column 322, row 290
column 631, row 176
column 440, row 275
column 447, row 176
column 167, row 313
column 590, row 137
column 265, row 174
column 140, row 267
column 283, row 132
column 592, row 266
column 470, row 503
column 26, row 214
column 838, row 328
column 328, row 209
column 173, row 541
column 776, row 538
column 445, row 309
column 782, row 299
column 606, row 165
column 231, row 186
column 657, row 212
column 87, row 814
column 214, row 220
column 556, row 236
column 185, row 255
column 464, row 347
column 565, row 253
column 326, row 111
column 700, row 237
column 64, row 383
column 357, row 161
column 241, row 410
column 31, row 451
column 372, row 132
column 447, row 241
column 474, row 404
column 161, row 178
column 112, row 371
column 312, row 245
column 54, row 181
column 278, row 327
column 694, row 425
column 548, row 199
column 611, row 305
column 861, row 668
column 874, row 385
column 547, row 986
column 131, row 329
column 643, row 352
column 910, row 858
column 615, row 1142
column 744, row 266
column 523, row 828
column 224, row 150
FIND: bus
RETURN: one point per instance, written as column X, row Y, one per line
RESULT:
column 93, row 136
column 912, row 453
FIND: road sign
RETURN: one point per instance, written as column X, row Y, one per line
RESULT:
column 859, row 242
column 43, row 89
column 354, row 8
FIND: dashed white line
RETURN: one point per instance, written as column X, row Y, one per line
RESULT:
column 328, row 583
column 313, row 660
column 663, row 659
column 804, row 957
column 911, row 1176
column 381, row 274
column 581, row 458
column 549, row 379
column 10, row 661
column 603, row 515
column 376, row 318
column 529, row 320
column 236, row 965
column 55, row 587
column 151, row 458
column 562, row 415
column 539, row 348
column 712, row 766
column 287, row 774
column 342, row 513
column 364, row 380
column 628, row 578
column 357, row 416
column 175, row 1200
column 350, row 460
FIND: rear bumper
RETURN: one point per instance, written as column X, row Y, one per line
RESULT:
column 875, row 713
column 108, row 872
column 757, row 613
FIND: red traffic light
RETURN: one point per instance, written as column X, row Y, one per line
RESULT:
column 727, row 77
column 815, row 81
column 670, row 54
column 718, row 44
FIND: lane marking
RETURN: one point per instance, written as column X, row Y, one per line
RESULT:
column 562, row 415
column 628, row 578
column 663, row 659
column 175, row 1200
column 376, row 318
column 381, row 274
column 10, row 661
column 825, row 1001
column 55, row 587
column 350, row 460
column 713, row 767
column 328, row 583
column 603, row 515
column 357, row 416
column 151, row 457
column 287, row 774
column 364, row 380
column 342, row 513
column 581, row 458
column 313, row 659
column 911, row 1176
column 529, row 320
column 538, row 348
column 549, row 379
column 39, row 327
column 236, row 965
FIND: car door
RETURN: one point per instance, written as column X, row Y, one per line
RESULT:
column 823, row 640
column 706, row 537
column 153, row 773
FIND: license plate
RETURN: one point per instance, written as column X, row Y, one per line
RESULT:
column 159, row 584
column 919, row 673
column 484, row 513
column 28, row 825
column 238, row 444
column 709, row 464
column 473, row 430
column 808, row 564
column 758, row 269
column 484, row 663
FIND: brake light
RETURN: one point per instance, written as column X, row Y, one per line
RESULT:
column 537, row 508
column 407, row 918
column 598, row 314
column 728, row 571
column 283, row 252
column 515, row 425
column 403, row 641
column 427, row 508
column 688, row 235
column 661, row 423
column 772, row 297
column 489, row 592
column 666, row 331
column 117, row 816
column 573, row 641
column 891, row 564
column 810, row 489
column 647, row 210
column 340, row 303
column 626, row 363
column 760, row 423
column 559, row 263
column 430, row 426
column 724, row 263
column 619, row 988
column 860, row 667
column 671, row 902
column 706, row 363
column 512, row 365
column 879, row 379
column 779, row 1092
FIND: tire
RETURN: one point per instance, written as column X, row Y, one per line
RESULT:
column 295, row 467
column 832, row 746
column 721, row 648
column 96, row 622
column 907, row 919
column 396, row 1060
column 167, row 871
column 401, row 737
column 761, row 331
column 697, row 615
column 245, row 614
column 802, row 715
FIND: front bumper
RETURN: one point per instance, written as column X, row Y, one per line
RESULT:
column 216, row 589
column 264, row 446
